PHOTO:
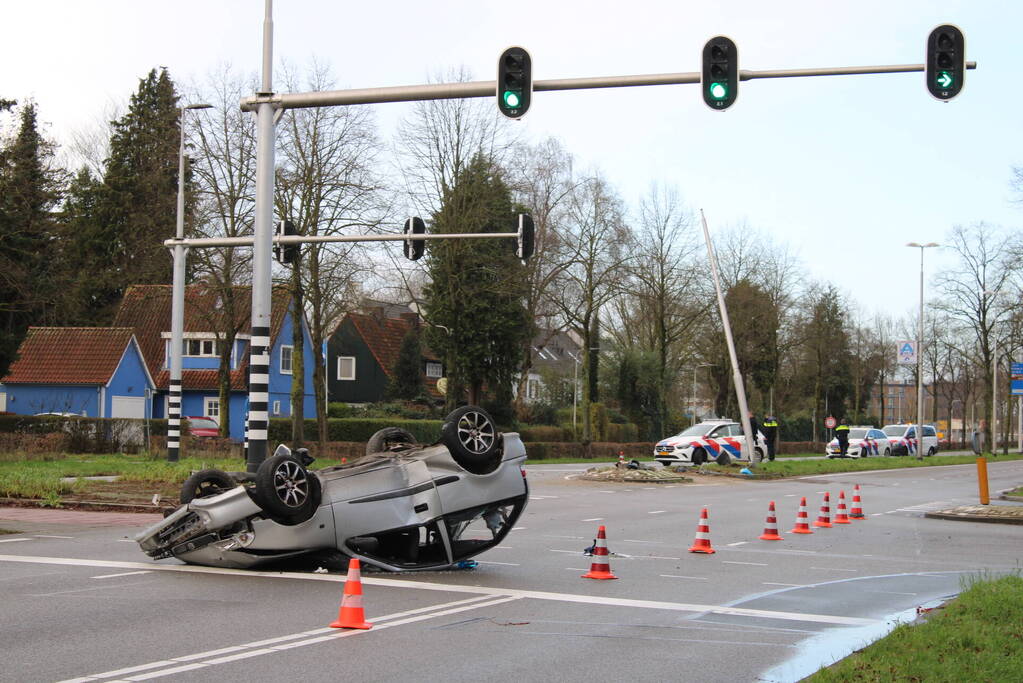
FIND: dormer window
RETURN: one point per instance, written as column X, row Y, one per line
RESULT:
column 199, row 347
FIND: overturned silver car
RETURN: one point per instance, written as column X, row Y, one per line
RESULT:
column 400, row 507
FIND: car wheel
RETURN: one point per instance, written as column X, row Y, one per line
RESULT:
column 723, row 459
column 930, row 452
column 285, row 489
column 758, row 455
column 472, row 439
column 387, row 437
column 206, row 483
column 887, row 452
column 699, row 456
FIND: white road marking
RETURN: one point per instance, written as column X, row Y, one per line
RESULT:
column 126, row 540
column 791, row 585
column 518, row 528
column 877, row 514
column 755, row 564
column 737, row 543
column 893, row 593
column 48, row 536
column 834, row 569
column 791, row 495
column 112, row 576
column 634, row 540
column 510, row 564
column 607, row 492
column 658, row 557
column 592, row 519
column 576, row 569
column 573, row 552
column 503, row 547
column 556, row 536
column 13, row 540
column 656, row 512
column 676, row 576
column 454, row 588
column 278, row 644
column 649, row 488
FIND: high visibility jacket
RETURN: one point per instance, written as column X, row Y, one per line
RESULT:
column 770, row 423
column 842, row 428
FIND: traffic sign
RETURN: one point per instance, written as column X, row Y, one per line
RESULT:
column 1017, row 370
column 905, row 352
column 830, row 422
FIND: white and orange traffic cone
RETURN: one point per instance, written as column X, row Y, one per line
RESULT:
column 840, row 515
column 621, row 458
column 351, row 615
column 856, row 512
column 824, row 517
column 802, row 520
column 771, row 527
column 702, row 542
column 600, row 568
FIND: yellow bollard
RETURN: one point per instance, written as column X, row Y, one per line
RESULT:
column 982, row 480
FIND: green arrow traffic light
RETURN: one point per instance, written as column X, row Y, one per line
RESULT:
column 945, row 79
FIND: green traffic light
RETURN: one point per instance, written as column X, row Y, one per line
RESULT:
column 718, row 91
column 512, row 100
column 945, row 79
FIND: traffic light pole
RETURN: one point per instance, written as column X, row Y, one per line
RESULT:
column 453, row 91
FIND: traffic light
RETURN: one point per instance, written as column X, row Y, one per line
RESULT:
column 414, row 248
column 514, row 82
column 946, row 62
column 525, row 246
column 719, row 78
column 286, row 254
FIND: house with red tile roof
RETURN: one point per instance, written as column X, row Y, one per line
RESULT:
column 90, row 371
column 146, row 310
column 362, row 351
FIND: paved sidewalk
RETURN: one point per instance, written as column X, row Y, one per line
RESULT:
column 78, row 517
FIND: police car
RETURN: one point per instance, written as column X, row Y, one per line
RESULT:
column 905, row 442
column 719, row 441
column 863, row 442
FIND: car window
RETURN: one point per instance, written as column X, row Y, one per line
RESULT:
column 910, row 433
column 894, row 431
column 857, row 433
column 695, row 430
column 877, row 434
column 202, row 423
column 929, row 431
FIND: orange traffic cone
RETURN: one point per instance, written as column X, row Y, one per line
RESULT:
column 600, row 568
column 771, row 528
column 351, row 614
column 824, row 517
column 702, row 542
column 857, row 511
column 802, row 520
column 840, row 515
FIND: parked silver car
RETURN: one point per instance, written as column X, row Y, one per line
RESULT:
column 402, row 506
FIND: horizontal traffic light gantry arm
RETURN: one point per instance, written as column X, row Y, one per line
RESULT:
column 452, row 91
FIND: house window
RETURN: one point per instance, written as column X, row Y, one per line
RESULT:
column 286, row 359
column 434, row 370
column 277, row 407
column 199, row 347
column 211, row 408
column 533, row 388
column 346, row 367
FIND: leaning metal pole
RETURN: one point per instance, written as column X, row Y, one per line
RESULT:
column 177, row 313
column 259, row 357
column 740, row 391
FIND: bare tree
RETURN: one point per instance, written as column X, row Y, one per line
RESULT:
column 326, row 185
column 968, row 291
column 596, row 242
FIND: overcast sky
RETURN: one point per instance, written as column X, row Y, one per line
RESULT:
column 846, row 170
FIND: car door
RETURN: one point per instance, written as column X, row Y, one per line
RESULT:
column 729, row 438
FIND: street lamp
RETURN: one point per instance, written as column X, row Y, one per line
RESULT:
column 920, row 355
column 701, row 365
column 178, row 305
column 994, row 382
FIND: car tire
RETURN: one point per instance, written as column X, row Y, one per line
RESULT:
column 472, row 439
column 699, row 456
column 887, row 452
column 723, row 459
column 381, row 441
column 205, row 483
column 930, row 452
column 758, row 455
column 286, row 490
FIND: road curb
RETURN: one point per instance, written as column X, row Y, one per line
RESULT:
column 967, row 517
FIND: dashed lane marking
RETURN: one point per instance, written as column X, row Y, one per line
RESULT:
column 790, row 585
column 656, row 512
column 834, row 569
column 457, row 588
column 593, row 519
column 508, row 564
column 13, row 540
column 737, row 543
column 677, row 576
column 49, row 536
column 755, row 564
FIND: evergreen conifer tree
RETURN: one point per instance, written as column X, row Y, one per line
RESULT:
column 407, row 374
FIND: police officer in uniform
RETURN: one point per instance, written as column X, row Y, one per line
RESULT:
column 770, row 429
column 842, row 433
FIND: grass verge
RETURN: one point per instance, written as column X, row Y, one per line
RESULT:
column 976, row 637
column 1015, row 492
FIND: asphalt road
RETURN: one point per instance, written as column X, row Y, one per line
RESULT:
column 81, row 602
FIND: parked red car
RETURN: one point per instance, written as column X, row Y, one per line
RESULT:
column 203, row 427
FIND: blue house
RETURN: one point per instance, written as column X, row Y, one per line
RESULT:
column 88, row 371
column 146, row 309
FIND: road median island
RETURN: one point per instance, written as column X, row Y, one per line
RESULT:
column 974, row 637
column 800, row 468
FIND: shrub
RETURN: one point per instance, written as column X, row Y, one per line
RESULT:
column 544, row 433
column 622, row 433
column 598, row 451
column 356, row 429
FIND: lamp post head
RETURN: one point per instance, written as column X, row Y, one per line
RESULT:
column 922, row 246
column 198, row 106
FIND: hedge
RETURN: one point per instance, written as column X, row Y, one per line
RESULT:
column 355, row 429
column 598, row 451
